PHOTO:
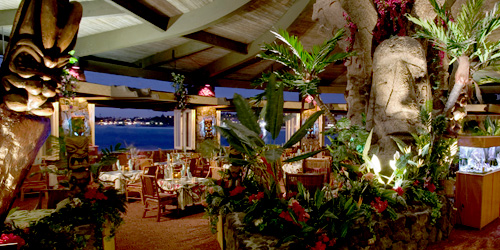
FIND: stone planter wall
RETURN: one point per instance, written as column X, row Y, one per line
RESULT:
column 411, row 230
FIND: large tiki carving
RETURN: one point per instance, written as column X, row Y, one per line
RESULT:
column 43, row 33
column 400, row 87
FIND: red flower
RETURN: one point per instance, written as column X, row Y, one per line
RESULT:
column 236, row 191
column 379, row 205
column 256, row 197
column 285, row 215
column 399, row 190
column 431, row 187
column 299, row 211
column 416, row 183
column 319, row 246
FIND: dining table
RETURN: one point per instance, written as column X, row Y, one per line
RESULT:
column 120, row 177
column 190, row 191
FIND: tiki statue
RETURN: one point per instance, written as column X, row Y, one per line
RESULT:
column 43, row 33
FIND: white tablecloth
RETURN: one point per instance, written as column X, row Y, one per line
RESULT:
column 120, row 177
column 293, row 167
column 189, row 191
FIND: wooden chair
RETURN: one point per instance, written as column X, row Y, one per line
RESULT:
column 318, row 165
column 136, row 187
column 311, row 181
column 141, row 164
column 152, row 195
column 36, row 181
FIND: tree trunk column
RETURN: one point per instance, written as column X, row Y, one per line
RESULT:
column 21, row 137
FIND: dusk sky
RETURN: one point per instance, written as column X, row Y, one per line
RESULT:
column 135, row 82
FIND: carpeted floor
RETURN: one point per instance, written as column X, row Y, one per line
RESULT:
column 190, row 231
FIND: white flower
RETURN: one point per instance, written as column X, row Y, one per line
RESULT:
column 257, row 222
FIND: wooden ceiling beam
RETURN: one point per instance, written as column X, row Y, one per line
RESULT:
column 95, row 8
column 144, row 12
column 219, row 41
column 180, row 25
column 121, row 68
column 233, row 59
column 173, row 53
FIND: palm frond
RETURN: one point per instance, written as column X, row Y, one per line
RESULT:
column 294, row 45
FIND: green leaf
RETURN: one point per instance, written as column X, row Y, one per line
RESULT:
column 302, row 131
column 400, row 143
column 367, row 146
column 304, row 156
column 246, row 135
column 274, row 154
column 245, row 113
column 232, row 139
column 274, row 108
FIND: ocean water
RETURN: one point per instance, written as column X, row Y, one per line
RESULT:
column 143, row 138
column 147, row 138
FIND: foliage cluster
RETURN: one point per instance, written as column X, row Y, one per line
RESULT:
column 77, row 221
column 180, row 92
column 357, row 192
column 488, row 127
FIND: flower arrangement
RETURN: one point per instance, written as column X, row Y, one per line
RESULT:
column 78, row 221
column 69, row 78
column 357, row 193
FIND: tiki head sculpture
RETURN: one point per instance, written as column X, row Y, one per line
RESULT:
column 44, row 32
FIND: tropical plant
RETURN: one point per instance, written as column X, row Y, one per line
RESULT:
column 263, row 160
column 180, row 90
column 465, row 40
column 305, row 65
column 488, row 127
column 347, row 143
column 78, row 221
column 108, row 158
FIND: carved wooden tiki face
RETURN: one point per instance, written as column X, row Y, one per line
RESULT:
column 43, row 33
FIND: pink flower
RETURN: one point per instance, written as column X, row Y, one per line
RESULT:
column 211, row 190
column 236, row 191
column 11, row 238
column 379, row 205
column 399, row 190
column 369, row 176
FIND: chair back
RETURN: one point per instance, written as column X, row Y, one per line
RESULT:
column 141, row 164
column 318, row 165
column 160, row 172
column 149, row 187
column 311, row 181
column 150, row 170
column 34, row 174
